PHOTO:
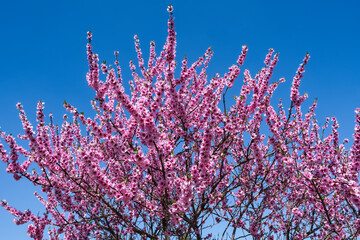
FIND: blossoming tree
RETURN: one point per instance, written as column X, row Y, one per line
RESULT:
column 172, row 161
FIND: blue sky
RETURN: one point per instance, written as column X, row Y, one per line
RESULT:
column 43, row 55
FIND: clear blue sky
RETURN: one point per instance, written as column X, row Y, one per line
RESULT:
column 43, row 55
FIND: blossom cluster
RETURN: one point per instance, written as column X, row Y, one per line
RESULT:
column 170, row 160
